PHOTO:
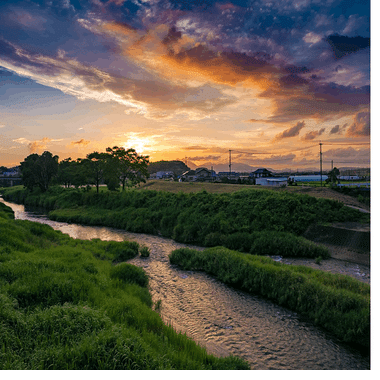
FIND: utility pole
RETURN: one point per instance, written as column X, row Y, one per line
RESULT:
column 332, row 165
column 320, row 160
column 230, row 163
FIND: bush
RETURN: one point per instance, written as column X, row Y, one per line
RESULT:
column 286, row 245
column 144, row 251
column 129, row 273
column 123, row 252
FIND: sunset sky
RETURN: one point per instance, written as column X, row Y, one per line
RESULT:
column 267, row 79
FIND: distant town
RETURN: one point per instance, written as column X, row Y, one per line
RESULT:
column 260, row 176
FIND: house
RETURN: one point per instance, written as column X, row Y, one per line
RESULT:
column 260, row 173
column 348, row 177
column 272, row 181
column 228, row 174
column 199, row 175
column 162, row 175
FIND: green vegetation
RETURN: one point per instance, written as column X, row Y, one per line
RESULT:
column 257, row 221
column 65, row 305
column 337, row 303
column 177, row 167
column 144, row 251
column 111, row 167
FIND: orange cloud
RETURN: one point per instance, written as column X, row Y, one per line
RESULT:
column 38, row 145
column 178, row 57
column 80, row 142
column 291, row 132
column 313, row 134
column 361, row 125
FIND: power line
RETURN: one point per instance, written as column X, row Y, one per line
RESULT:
column 293, row 150
column 347, row 143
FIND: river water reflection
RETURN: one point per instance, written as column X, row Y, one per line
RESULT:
column 223, row 320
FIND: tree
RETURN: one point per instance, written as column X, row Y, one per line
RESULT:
column 39, row 170
column 333, row 176
column 72, row 172
column 129, row 165
column 95, row 165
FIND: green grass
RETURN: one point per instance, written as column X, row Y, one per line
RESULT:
column 337, row 303
column 64, row 304
column 244, row 217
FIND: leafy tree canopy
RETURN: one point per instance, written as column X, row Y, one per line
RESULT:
column 39, row 170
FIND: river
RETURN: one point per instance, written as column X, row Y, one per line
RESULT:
column 223, row 320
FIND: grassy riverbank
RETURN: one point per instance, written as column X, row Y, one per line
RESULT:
column 337, row 303
column 246, row 220
column 66, row 304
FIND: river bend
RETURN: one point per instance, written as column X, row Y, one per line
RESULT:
column 223, row 320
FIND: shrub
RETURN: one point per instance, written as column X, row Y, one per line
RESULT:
column 123, row 252
column 129, row 273
column 287, row 245
column 144, row 251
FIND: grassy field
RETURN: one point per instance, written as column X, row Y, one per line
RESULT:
column 193, row 187
column 69, row 304
column 310, row 188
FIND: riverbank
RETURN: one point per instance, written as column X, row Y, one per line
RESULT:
column 337, row 303
column 246, row 220
column 65, row 305
column 216, row 316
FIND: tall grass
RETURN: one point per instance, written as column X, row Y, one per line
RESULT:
column 64, row 304
column 338, row 303
column 232, row 220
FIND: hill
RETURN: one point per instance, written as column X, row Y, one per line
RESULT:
column 177, row 167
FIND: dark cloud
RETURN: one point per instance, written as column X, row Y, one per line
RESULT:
column 292, row 80
column 319, row 101
column 222, row 43
column 291, row 132
column 334, row 130
column 343, row 45
column 313, row 134
column 80, row 142
column 338, row 129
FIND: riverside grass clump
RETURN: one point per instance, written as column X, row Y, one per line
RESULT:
column 338, row 303
column 65, row 305
column 234, row 220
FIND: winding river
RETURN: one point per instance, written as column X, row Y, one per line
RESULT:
column 223, row 320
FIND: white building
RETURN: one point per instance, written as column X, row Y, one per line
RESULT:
column 271, row 181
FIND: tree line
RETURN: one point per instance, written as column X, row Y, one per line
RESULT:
column 114, row 167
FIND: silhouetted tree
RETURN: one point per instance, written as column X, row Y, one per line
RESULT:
column 129, row 165
column 332, row 176
column 95, row 167
column 72, row 173
column 39, row 170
